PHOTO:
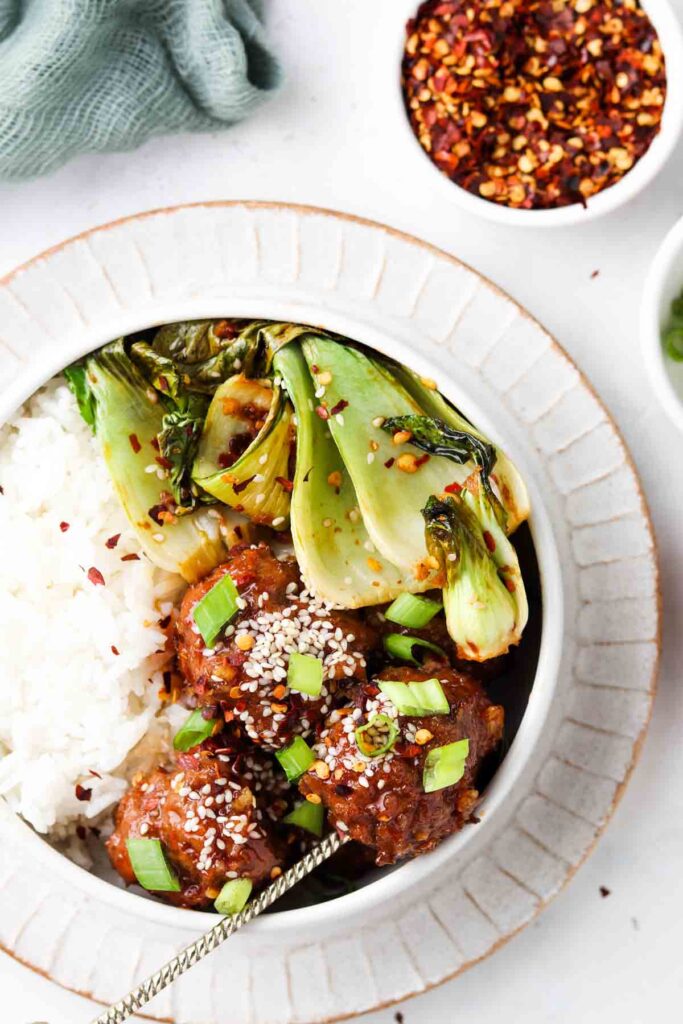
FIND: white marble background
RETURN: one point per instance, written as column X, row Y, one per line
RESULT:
column 331, row 138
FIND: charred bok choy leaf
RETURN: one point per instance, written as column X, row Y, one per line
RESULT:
column 244, row 452
column 333, row 548
column 207, row 352
column 484, row 600
column 503, row 473
column 127, row 419
column 355, row 394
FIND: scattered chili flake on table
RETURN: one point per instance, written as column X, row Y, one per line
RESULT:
column 533, row 104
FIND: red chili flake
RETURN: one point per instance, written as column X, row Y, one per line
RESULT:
column 83, row 793
column 322, row 412
column 95, row 576
column 307, row 474
column 224, row 329
column 594, row 274
column 81, row 833
column 113, row 541
column 490, row 542
column 285, row 484
column 238, row 531
column 130, row 558
column 163, row 461
column 389, row 463
column 339, row 407
column 315, row 368
column 165, row 622
column 95, row 774
column 154, row 514
column 155, row 444
column 163, row 383
column 166, row 679
column 238, row 488
column 453, row 488
column 532, row 104
column 604, row 891
column 114, row 650
column 421, row 459
column 134, row 443
column 510, row 585
column 2, row 489
column 64, row 527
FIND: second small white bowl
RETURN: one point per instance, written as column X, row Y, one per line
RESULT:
column 668, row 28
column 663, row 283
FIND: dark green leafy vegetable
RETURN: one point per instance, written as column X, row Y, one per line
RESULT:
column 77, row 380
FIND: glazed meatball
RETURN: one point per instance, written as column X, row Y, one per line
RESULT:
column 380, row 800
column 213, row 813
column 245, row 673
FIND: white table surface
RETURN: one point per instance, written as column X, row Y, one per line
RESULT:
column 613, row 960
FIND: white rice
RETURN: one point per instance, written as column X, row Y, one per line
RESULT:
column 70, row 706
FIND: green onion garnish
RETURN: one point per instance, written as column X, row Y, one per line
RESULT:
column 194, row 730
column 216, row 609
column 673, row 343
column 308, row 816
column 400, row 646
column 412, row 610
column 377, row 736
column 444, row 766
column 151, row 866
column 305, row 674
column 233, row 896
column 416, row 698
column 295, row 759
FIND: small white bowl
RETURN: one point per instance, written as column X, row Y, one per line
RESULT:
column 663, row 283
column 670, row 35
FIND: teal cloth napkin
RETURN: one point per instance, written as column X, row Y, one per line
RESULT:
column 81, row 76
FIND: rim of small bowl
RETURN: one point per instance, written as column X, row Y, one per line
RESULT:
column 499, row 795
column 653, row 315
column 633, row 182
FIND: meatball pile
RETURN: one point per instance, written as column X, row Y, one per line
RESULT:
column 218, row 809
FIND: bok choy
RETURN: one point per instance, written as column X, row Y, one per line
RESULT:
column 333, row 548
column 244, row 453
column 485, row 610
column 127, row 420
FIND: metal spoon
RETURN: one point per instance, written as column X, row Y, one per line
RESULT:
column 195, row 952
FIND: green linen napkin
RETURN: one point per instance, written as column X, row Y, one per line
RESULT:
column 80, row 76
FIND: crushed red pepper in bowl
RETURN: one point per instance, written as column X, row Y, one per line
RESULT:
column 534, row 104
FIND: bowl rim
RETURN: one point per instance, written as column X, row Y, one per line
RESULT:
column 670, row 33
column 397, row 882
column 656, row 281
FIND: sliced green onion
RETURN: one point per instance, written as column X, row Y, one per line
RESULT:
column 216, row 609
column 416, row 698
column 377, row 736
column 444, row 766
column 308, row 816
column 400, row 646
column 412, row 610
column 194, row 730
column 673, row 343
column 233, row 896
column 295, row 759
column 151, row 866
column 305, row 674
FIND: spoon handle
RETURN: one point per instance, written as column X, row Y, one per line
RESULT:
column 195, row 952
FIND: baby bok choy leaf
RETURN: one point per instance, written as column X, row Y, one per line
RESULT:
column 244, row 452
column 504, row 474
column 127, row 421
column 355, row 394
column 207, row 352
column 333, row 548
column 483, row 616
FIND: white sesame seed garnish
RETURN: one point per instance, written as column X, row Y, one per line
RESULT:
column 371, row 458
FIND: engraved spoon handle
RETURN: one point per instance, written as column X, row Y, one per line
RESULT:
column 195, row 952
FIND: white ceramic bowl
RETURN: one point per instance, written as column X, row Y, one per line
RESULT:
column 592, row 695
column 663, row 283
column 670, row 34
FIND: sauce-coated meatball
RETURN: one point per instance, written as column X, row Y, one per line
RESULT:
column 213, row 813
column 380, row 800
column 245, row 673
